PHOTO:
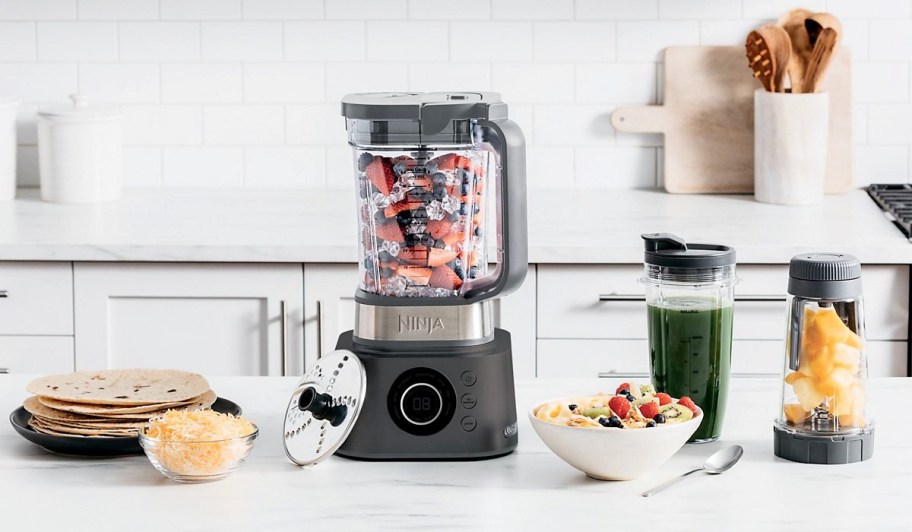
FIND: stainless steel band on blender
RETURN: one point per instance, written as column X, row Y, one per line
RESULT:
column 468, row 324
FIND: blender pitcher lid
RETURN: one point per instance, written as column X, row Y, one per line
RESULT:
column 324, row 408
column 433, row 109
column 671, row 251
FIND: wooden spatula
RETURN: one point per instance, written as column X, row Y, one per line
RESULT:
column 793, row 23
column 820, row 59
column 816, row 22
column 768, row 52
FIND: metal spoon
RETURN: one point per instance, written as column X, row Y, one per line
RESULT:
column 721, row 461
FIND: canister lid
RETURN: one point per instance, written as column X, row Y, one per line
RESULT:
column 825, row 276
column 324, row 408
column 81, row 109
column 671, row 251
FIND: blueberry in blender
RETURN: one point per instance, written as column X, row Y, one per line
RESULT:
column 438, row 178
column 363, row 160
column 440, row 192
column 399, row 169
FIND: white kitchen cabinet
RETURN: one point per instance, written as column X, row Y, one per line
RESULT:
column 216, row 319
column 329, row 310
column 36, row 354
column 36, row 298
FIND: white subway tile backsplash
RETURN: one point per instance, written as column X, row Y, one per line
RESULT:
column 574, row 41
column 773, row 9
column 203, row 167
column 436, row 77
column 118, row 9
column 616, row 83
column 159, row 41
column 367, row 9
column 120, row 82
column 242, row 41
column 449, row 10
column 645, row 41
column 699, row 9
column 614, row 167
column 38, row 10
column 532, row 9
column 202, row 83
column 282, row 9
column 881, row 164
column 38, row 82
column 512, row 41
column 891, row 40
column 246, row 92
column 871, row 9
column 200, row 9
column 284, row 166
column 387, row 40
column 17, row 41
column 890, row 124
column 162, row 125
column 142, row 166
column 343, row 78
column 239, row 125
column 534, row 83
column 549, row 168
column 77, row 41
column 881, row 82
column 572, row 125
column 617, row 9
column 325, row 41
column 283, row 82
column 727, row 32
column 316, row 125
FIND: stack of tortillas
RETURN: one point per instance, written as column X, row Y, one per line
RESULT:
column 112, row 403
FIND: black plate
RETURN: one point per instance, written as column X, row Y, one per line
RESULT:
column 83, row 446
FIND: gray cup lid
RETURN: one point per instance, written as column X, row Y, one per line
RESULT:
column 825, row 276
column 671, row 251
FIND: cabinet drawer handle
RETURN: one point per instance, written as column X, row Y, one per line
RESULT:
column 621, row 297
column 283, row 327
column 760, row 299
column 4, row 371
column 4, row 293
column 319, row 329
column 615, row 374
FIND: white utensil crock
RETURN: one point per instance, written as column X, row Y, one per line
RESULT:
column 80, row 152
column 8, row 108
column 790, row 147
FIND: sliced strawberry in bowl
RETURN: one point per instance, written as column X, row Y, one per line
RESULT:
column 620, row 406
column 663, row 398
column 688, row 402
column 649, row 410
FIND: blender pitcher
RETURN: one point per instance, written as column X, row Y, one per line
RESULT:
column 426, row 165
column 823, row 419
column 690, row 299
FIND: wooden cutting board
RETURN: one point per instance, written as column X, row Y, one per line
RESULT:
column 708, row 120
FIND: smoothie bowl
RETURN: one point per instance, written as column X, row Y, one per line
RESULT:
column 616, row 437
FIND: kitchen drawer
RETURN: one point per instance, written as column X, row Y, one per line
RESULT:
column 36, row 298
column 607, row 302
column 623, row 358
column 36, row 354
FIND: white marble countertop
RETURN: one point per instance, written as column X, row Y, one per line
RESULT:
column 529, row 488
column 319, row 226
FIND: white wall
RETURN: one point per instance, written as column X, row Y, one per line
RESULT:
column 226, row 93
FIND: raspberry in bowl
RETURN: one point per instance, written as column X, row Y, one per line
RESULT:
column 616, row 437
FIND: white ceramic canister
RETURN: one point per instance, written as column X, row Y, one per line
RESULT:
column 80, row 152
column 8, row 109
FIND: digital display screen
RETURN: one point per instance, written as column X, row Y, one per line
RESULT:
column 421, row 404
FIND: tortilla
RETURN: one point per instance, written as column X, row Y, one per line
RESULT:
column 59, row 430
column 149, row 411
column 121, row 387
column 34, row 407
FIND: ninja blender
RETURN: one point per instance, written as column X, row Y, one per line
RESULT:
column 437, row 379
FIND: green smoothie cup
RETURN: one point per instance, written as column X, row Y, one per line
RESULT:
column 690, row 299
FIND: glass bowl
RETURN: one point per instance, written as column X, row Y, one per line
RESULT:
column 197, row 461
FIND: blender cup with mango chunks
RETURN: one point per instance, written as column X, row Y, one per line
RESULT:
column 824, row 417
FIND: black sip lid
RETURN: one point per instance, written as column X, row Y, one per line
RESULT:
column 825, row 276
column 671, row 251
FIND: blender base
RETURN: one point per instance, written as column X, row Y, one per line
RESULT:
column 432, row 402
column 832, row 449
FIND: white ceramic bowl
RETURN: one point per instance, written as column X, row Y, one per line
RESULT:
column 614, row 454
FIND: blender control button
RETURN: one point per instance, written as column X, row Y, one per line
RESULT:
column 468, row 378
column 469, row 423
column 468, row 401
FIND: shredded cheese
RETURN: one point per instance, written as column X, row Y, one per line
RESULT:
column 204, row 442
